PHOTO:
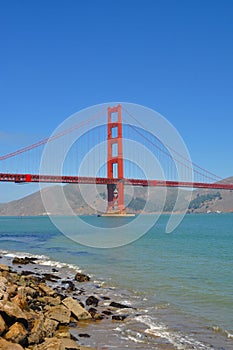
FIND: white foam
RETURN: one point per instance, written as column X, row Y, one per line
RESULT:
column 223, row 332
column 126, row 302
column 229, row 335
column 175, row 338
column 22, row 255
column 129, row 334
column 58, row 264
column 41, row 260
column 135, row 338
column 100, row 283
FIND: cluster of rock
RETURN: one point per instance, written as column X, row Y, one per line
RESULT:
column 33, row 315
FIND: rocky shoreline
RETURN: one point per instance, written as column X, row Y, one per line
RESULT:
column 39, row 309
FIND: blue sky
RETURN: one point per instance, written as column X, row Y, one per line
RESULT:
column 174, row 56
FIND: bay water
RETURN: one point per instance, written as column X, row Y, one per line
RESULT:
column 181, row 283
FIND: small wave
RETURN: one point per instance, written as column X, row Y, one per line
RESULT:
column 136, row 338
column 129, row 334
column 177, row 339
column 41, row 260
column 222, row 331
column 22, row 255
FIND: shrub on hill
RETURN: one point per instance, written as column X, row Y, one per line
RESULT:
column 200, row 200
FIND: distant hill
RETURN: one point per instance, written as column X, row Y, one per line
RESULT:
column 32, row 205
column 205, row 200
column 135, row 197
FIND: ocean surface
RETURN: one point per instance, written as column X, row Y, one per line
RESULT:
column 181, row 284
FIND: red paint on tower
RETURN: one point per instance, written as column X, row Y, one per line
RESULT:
column 115, row 160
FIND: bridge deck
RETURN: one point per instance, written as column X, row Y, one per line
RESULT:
column 27, row 178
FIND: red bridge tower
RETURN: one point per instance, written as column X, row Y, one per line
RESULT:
column 115, row 161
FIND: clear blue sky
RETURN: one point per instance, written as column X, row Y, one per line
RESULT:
column 174, row 56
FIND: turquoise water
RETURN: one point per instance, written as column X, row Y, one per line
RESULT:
column 185, row 278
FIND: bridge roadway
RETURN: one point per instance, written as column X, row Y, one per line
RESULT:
column 30, row 178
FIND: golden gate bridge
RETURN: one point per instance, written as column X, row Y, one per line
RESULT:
column 114, row 171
